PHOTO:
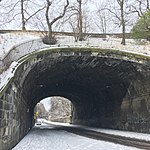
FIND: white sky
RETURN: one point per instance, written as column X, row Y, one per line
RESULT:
column 46, row 103
column 91, row 8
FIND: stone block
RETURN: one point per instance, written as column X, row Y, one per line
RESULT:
column 1, row 144
column 6, row 106
column 2, row 132
column 86, row 53
column 76, row 53
column 9, row 98
column 6, row 131
column 5, row 139
column 7, row 114
column 3, row 123
column 1, row 113
column 3, row 97
column 1, row 104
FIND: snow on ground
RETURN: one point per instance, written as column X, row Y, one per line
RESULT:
column 135, row 135
column 47, row 137
column 9, row 40
column 140, row 136
column 108, row 43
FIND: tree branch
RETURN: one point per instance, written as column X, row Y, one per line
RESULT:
column 62, row 15
column 34, row 13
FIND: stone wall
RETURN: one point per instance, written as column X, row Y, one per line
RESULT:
column 14, row 117
column 135, row 107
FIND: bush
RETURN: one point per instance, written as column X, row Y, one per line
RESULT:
column 141, row 29
column 50, row 41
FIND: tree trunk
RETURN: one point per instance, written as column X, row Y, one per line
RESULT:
column 23, row 18
column 123, row 42
column 80, row 21
column 148, row 5
column 50, row 33
column 122, row 22
column 49, row 39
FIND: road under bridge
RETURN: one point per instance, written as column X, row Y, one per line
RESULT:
column 107, row 88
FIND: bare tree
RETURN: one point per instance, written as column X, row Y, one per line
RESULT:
column 80, row 19
column 50, row 39
column 122, row 19
column 86, row 22
column 39, row 23
column 22, row 15
column 8, row 12
column 72, row 18
column 118, row 10
column 140, row 7
column 22, row 10
column 25, row 16
column 74, row 26
column 101, row 22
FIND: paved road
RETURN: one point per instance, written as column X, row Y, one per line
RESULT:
column 50, row 137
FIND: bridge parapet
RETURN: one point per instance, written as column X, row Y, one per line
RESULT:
column 25, row 48
column 19, row 51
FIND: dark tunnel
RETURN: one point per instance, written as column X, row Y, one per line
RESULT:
column 95, row 86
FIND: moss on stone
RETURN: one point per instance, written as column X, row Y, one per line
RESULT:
column 107, row 52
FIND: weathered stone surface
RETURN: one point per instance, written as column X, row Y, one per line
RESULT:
column 1, row 114
column 1, row 103
column 109, row 89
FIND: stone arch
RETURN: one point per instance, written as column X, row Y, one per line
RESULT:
column 99, row 85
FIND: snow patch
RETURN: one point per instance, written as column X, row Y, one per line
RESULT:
column 10, row 40
column 7, row 75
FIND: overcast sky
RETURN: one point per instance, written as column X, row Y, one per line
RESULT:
column 90, row 8
column 46, row 103
column 16, row 24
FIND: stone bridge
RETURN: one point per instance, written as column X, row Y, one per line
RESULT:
column 108, row 89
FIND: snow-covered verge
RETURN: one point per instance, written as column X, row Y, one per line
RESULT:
column 140, row 136
column 9, row 40
column 47, row 137
column 135, row 135
column 108, row 43
column 13, row 46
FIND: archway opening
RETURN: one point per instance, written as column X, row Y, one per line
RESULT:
column 53, row 109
